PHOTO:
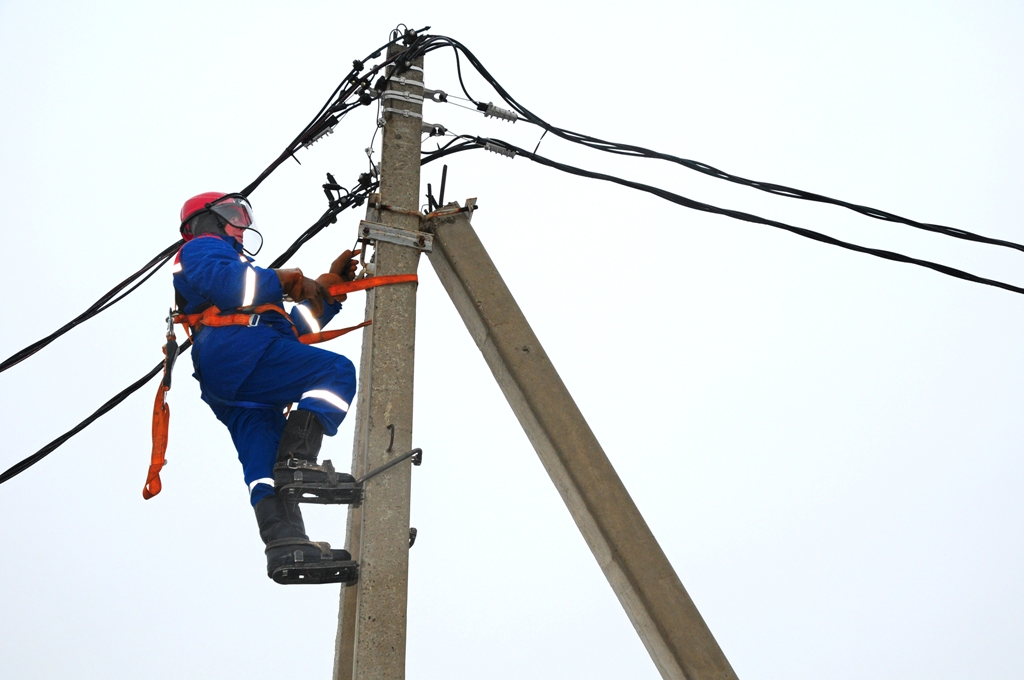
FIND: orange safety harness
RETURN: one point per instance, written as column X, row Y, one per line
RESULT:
column 215, row 318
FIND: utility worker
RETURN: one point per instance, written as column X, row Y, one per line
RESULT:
column 252, row 370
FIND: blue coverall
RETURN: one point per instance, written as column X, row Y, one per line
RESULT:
column 250, row 374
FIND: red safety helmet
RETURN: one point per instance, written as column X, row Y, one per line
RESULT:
column 234, row 209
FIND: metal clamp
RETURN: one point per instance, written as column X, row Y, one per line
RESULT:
column 420, row 240
column 439, row 96
column 403, row 112
column 434, row 129
column 405, row 81
column 402, row 96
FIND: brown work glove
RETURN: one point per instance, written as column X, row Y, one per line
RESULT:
column 346, row 264
column 328, row 280
column 299, row 289
column 342, row 269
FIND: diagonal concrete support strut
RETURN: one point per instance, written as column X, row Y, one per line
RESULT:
column 660, row 609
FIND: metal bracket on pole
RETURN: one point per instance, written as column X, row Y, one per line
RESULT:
column 415, row 454
column 448, row 211
column 372, row 231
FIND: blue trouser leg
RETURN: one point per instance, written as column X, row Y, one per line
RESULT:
column 255, row 433
column 322, row 382
column 288, row 372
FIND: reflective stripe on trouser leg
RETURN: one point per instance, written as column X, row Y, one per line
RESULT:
column 331, row 398
column 269, row 481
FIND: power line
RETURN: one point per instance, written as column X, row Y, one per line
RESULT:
column 431, row 43
column 512, row 150
column 108, row 300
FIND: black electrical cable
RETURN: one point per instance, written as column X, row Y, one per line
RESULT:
column 448, row 150
column 23, row 465
column 431, row 43
column 747, row 217
column 337, row 102
column 108, row 300
column 137, row 285
column 356, row 197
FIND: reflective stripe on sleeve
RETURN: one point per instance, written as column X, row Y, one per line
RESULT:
column 310, row 319
column 331, row 398
column 250, row 287
column 176, row 267
column 264, row 480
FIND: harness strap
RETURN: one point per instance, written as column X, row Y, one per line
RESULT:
column 324, row 336
column 371, row 282
column 212, row 316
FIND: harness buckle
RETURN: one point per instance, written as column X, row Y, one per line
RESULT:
column 254, row 319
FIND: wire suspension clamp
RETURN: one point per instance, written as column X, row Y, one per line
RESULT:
column 494, row 147
column 492, row 111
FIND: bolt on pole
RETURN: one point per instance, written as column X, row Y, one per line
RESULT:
column 372, row 615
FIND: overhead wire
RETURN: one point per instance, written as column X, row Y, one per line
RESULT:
column 482, row 142
column 431, row 43
column 106, row 301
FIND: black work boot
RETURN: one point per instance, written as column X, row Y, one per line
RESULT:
column 297, row 476
column 294, row 515
column 291, row 556
column 301, row 438
column 276, row 520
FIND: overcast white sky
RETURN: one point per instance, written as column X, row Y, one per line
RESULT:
column 828, row 446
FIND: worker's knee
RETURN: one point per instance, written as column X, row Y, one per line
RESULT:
column 345, row 373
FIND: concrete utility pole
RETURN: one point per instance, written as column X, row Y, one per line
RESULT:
column 660, row 609
column 372, row 615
